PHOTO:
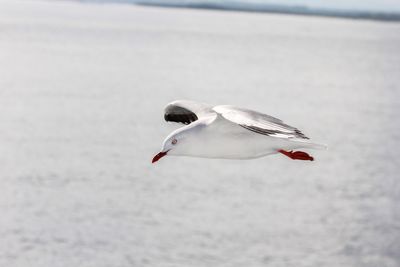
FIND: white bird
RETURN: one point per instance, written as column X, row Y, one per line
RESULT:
column 230, row 132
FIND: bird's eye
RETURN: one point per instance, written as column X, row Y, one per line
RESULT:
column 174, row 141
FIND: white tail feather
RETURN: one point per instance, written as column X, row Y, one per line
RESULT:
column 308, row 144
column 318, row 146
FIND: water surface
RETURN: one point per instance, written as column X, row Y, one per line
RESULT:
column 83, row 88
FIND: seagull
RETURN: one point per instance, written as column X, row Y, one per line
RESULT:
column 230, row 132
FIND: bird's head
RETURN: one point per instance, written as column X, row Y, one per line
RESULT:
column 185, row 141
column 170, row 146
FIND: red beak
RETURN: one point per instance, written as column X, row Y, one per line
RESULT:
column 159, row 156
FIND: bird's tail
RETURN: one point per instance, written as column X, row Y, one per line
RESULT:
column 307, row 144
column 318, row 146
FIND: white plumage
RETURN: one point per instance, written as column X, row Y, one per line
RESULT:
column 230, row 132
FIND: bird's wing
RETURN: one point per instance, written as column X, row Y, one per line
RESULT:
column 258, row 122
column 186, row 111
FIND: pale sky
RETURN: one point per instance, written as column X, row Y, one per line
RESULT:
column 377, row 5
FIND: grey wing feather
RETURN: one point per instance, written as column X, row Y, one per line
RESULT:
column 258, row 122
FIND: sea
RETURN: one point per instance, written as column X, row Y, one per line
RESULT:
column 82, row 92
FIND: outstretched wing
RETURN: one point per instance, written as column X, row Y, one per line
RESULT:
column 258, row 122
column 185, row 111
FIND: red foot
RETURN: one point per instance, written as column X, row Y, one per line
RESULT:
column 300, row 155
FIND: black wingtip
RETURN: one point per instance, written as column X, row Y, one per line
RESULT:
column 179, row 114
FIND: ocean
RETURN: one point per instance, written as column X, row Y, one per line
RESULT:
column 83, row 87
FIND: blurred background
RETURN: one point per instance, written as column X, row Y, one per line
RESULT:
column 82, row 91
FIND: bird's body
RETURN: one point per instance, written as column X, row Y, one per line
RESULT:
column 229, row 132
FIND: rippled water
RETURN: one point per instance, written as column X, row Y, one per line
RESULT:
column 82, row 93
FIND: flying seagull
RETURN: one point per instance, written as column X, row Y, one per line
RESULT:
column 230, row 132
